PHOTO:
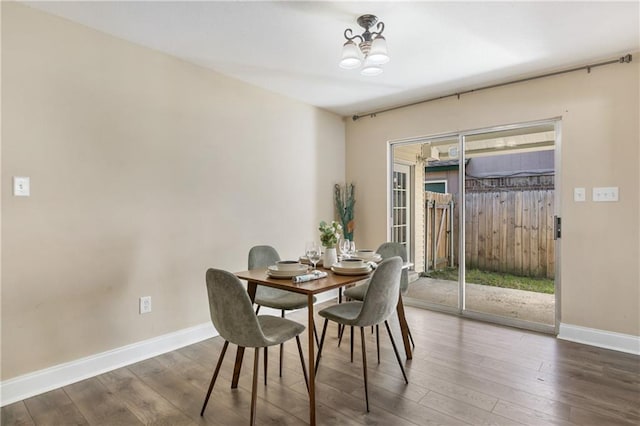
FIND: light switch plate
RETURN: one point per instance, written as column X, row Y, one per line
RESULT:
column 21, row 186
column 605, row 194
column 579, row 194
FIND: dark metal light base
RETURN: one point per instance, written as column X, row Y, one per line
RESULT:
column 367, row 21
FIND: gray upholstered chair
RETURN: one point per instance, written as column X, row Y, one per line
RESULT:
column 262, row 257
column 232, row 315
column 379, row 303
column 386, row 250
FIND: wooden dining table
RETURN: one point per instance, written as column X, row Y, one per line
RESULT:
column 332, row 281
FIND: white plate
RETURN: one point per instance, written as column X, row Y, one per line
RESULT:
column 340, row 266
column 285, row 274
column 375, row 258
column 288, row 265
column 274, row 268
column 273, row 271
column 363, row 270
column 351, row 271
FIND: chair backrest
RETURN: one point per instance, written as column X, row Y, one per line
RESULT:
column 387, row 250
column 262, row 256
column 381, row 298
column 232, row 311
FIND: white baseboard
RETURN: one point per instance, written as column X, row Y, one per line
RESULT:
column 41, row 381
column 37, row 382
column 600, row 338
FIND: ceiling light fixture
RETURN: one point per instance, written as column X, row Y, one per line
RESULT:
column 371, row 52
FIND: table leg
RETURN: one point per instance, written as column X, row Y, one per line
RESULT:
column 312, row 363
column 251, row 289
column 404, row 329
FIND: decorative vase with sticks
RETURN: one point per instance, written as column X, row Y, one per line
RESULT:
column 345, row 200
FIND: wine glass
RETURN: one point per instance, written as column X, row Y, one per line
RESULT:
column 312, row 250
column 352, row 248
column 344, row 248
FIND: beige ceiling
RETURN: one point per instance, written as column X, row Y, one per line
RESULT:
column 436, row 48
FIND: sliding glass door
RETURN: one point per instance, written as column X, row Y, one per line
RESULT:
column 484, row 240
column 509, row 209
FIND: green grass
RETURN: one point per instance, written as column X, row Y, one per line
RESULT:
column 497, row 279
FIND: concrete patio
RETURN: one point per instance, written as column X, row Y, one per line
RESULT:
column 505, row 302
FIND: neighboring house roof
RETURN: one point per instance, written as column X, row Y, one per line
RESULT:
column 439, row 166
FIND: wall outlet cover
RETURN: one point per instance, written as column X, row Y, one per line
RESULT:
column 21, row 186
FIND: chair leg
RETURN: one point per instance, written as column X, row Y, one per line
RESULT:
column 257, row 309
column 315, row 334
column 351, row 343
column 215, row 375
column 304, row 367
column 254, row 387
column 324, row 331
column 265, row 365
column 340, row 332
column 378, row 342
column 364, row 368
column 410, row 337
column 395, row 349
column 281, row 348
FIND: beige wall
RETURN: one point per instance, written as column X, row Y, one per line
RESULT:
column 145, row 171
column 600, row 113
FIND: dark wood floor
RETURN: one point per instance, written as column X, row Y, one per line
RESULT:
column 463, row 372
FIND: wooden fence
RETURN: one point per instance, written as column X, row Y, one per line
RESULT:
column 506, row 231
column 510, row 231
column 441, row 231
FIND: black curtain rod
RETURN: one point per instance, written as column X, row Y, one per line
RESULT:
column 622, row 60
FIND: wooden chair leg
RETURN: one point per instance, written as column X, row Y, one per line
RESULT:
column 351, row 343
column 304, row 367
column 395, row 349
column 315, row 334
column 281, row 349
column 411, row 337
column 265, row 365
column 324, row 331
column 378, row 342
column 215, row 375
column 254, row 387
column 364, row 368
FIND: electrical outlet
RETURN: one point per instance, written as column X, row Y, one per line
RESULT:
column 145, row 304
column 21, row 186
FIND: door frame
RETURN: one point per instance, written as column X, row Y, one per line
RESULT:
column 410, row 170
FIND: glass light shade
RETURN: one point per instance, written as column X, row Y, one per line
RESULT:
column 378, row 53
column 351, row 57
column 370, row 69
